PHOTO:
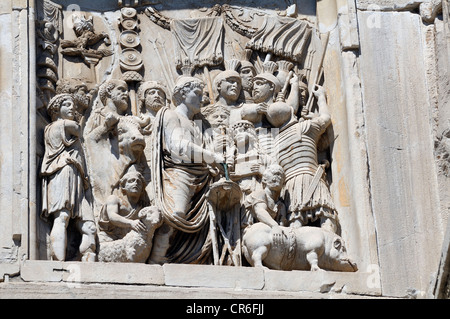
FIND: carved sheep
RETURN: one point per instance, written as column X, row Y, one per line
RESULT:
column 135, row 246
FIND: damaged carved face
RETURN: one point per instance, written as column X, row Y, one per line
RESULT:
column 119, row 95
column 155, row 99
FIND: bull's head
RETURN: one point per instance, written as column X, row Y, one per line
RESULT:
column 130, row 139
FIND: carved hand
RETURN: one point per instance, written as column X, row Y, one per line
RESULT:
column 261, row 108
column 137, row 225
column 221, row 142
column 111, row 119
column 210, row 157
column 318, row 91
column 144, row 120
column 294, row 80
column 279, row 237
column 256, row 168
column 218, row 158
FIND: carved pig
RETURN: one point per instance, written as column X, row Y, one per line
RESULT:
column 304, row 248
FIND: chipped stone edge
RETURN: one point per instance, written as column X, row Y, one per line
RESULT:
column 199, row 276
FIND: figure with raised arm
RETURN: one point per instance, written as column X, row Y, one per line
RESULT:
column 64, row 180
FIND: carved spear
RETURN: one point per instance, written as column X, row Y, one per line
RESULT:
column 172, row 82
column 318, row 74
column 166, row 75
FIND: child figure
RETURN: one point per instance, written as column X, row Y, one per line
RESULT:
column 64, row 181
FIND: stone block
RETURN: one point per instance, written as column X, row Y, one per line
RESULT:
column 78, row 272
column 9, row 269
column 213, row 276
column 400, row 149
column 42, row 270
column 320, row 281
column 118, row 273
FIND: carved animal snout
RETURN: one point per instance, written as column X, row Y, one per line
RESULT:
column 130, row 136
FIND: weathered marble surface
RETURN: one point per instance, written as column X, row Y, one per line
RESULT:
column 386, row 144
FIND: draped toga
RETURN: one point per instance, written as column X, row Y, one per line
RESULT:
column 176, row 180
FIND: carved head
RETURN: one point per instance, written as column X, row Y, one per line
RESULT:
column 189, row 91
column 266, row 85
column 132, row 183
column 247, row 72
column 151, row 216
column 117, row 92
column 79, row 89
column 62, row 106
column 152, row 95
column 228, row 84
column 217, row 116
column 131, row 141
column 274, row 177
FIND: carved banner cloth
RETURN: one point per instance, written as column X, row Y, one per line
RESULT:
column 285, row 37
column 198, row 41
column 146, row 161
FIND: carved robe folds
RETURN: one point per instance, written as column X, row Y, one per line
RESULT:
column 199, row 41
column 181, row 183
column 194, row 109
column 63, row 170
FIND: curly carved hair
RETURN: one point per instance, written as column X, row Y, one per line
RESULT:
column 184, row 85
column 272, row 169
column 54, row 105
column 105, row 89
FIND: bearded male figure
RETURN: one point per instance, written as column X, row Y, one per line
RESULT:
column 152, row 97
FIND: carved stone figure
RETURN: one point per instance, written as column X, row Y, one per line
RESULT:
column 152, row 97
column 127, row 149
column 126, row 225
column 64, row 180
column 249, row 163
column 306, row 192
column 181, row 171
column 305, row 248
column 265, row 89
column 184, row 140
column 191, row 140
column 266, row 204
column 247, row 72
column 86, row 37
column 227, row 86
column 218, row 118
column 113, row 139
column 82, row 95
column 84, row 30
column 113, row 96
